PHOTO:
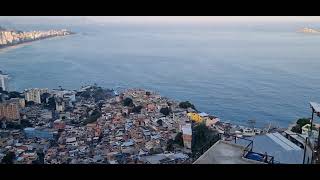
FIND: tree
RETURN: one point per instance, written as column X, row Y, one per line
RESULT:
column 296, row 129
column 170, row 145
column 14, row 94
column 201, row 136
column 98, row 94
column 51, row 103
column 128, row 102
column 8, row 158
column 148, row 93
column 85, row 94
column 179, row 139
column 186, row 105
column 94, row 116
column 44, row 97
column 25, row 123
column 137, row 109
column 299, row 124
column 303, row 121
column 30, row 103
column 165, row 111
column 40, row 157
column 13, row 125
column 159, row 122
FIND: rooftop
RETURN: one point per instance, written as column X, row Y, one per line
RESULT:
column 224, row 152
column 315, row 106
column 203, row 114
column 276, row 145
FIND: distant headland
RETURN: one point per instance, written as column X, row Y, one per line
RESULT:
column 15, row 37
column 309, row 31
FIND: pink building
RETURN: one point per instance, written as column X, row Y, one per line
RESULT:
column 151, row 107
column 58, row 124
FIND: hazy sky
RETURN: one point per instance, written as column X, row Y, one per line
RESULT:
column 203, row 18
column 158, row 19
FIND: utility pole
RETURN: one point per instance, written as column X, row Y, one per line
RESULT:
column 252, row 123
column 305, row 149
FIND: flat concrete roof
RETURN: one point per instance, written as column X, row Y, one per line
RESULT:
column 223, row 152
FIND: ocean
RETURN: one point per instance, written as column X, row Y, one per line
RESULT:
column 266, row 72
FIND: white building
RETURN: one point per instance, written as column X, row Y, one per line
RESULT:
column 4, row 79
column 35, row 94
column 187, row 135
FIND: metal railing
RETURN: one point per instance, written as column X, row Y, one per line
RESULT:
column 204, row 148
column 248, row 149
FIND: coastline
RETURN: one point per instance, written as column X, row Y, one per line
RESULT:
column 12, row 47
column 9, row 47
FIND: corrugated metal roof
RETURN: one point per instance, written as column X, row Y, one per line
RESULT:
column 283, row 142
column 203, row 114
column 277, row 146
column 315, row 106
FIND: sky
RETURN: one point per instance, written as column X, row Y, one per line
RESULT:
column 156, row 19
column 150, row 19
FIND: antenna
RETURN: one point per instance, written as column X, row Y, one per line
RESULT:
column 252, row 123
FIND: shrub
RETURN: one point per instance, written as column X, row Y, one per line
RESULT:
column 165, row 111
column 201, row 136
column 179, row 139
column 14, row 94
column 303, row 121
column 300, row 123
column 137, row 109
column 128, row 102
column 93, row 117
column 296, row 129
column 186, row 105
column 159, row 122
column 30, row 103
column 8, row 158
column 170, row 145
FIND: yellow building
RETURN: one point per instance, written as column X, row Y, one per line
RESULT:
column 195, row 117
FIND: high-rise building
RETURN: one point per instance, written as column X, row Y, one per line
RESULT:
column 19, row 101
column 9, row 111
column 35, row 94
column 4, row 79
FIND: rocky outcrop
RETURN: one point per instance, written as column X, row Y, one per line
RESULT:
column 13, row 37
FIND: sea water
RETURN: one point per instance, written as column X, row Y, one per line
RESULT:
column 238, row 72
